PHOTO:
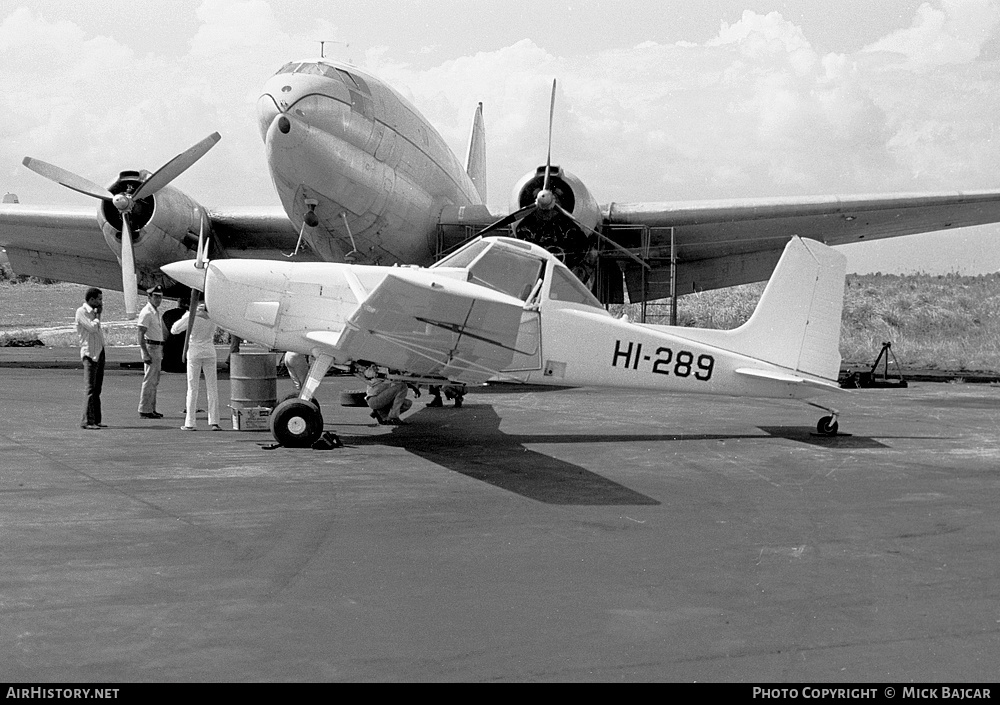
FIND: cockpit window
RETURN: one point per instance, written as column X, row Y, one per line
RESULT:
column 316, row 70
column 464, row 257
column 503, row 267
column 566, row 287
column 509, row 271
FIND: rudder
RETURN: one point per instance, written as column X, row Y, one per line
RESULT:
column 796, row 324
column 475, row 160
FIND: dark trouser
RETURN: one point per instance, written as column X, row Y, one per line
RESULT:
column 93, row 375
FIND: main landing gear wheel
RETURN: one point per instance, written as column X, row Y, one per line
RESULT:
column 296, row 423
column 314, row 401
column 827, row 426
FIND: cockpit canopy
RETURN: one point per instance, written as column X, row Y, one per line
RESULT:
column 514, row 267
column 318, row 68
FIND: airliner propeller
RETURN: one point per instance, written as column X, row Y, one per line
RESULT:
column 547, row 204
column 545, row 200
column 126, row 200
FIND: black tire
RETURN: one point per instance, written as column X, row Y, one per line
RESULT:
column 353, row 399
column 827, row 426
column 296, row 423
column 314, row 400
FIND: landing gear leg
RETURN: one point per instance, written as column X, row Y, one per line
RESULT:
column 827, row 426
column 317, row 371
column 297, row 422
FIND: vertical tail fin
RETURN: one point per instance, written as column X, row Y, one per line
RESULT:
column 796, row 324
column 475, row 161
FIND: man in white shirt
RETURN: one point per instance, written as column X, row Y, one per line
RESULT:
column 201, row 357
column 150, row 335
column 88, row 326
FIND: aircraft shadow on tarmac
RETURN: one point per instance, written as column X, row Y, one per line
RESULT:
column 471, row 443
column 806, row 434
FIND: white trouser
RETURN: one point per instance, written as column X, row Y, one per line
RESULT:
column 195, row 367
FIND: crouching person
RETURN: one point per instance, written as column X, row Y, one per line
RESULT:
column 385, row 397
column 453, row 392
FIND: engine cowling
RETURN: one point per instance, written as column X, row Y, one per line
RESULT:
column 165, row 229
column 549, row 227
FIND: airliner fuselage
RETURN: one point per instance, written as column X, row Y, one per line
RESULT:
column 350, row 150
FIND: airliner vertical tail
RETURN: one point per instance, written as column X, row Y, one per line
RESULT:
column 475, row 161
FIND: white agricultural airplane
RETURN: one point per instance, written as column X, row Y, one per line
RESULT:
column 364, row 178
column 505, row 309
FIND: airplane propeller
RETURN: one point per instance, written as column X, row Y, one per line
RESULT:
column 126, row 200
column 544, row 199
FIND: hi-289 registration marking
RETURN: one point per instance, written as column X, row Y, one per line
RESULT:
column 681, row 364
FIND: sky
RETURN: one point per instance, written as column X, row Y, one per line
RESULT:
column 656, row 101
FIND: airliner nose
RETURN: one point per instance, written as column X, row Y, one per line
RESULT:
column 267, row 111
column 186, row 273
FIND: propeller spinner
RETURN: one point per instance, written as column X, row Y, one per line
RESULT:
column 125, row 201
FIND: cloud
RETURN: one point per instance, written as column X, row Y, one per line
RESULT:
column 954, row 34
column 754, row 111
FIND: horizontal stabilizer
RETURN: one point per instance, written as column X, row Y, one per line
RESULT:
column 787, row 377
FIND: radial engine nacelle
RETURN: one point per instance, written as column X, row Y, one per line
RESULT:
column 547, row 223
column 165, row 227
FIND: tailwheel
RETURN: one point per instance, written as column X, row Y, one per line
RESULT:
column 296, row 423
column 827, row 426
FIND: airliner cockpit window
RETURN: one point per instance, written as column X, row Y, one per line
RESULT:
column 287, row 68
column 566, row 287
column 311, row 68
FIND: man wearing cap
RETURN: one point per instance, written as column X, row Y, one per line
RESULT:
column 151, row 337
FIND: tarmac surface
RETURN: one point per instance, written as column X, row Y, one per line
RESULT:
column 533, row 535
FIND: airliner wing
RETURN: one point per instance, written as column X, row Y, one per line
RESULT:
column 67, row 244
column 728, row 242
column 58, row 243
column 444, row 329
column 258, row 233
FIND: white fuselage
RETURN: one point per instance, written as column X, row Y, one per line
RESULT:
column 564, row 338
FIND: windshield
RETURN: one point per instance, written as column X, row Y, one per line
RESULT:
column 463, row 257
column 501, row 266
column 566, row 287
column 509, row 271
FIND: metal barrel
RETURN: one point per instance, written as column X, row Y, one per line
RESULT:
column 253, row 380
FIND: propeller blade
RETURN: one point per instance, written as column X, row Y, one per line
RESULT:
column 129, row 284
column 548, row 158
column 508, row 219
column 192, row 312
column 605, row 238
column 176, row 166
column 67, row 179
